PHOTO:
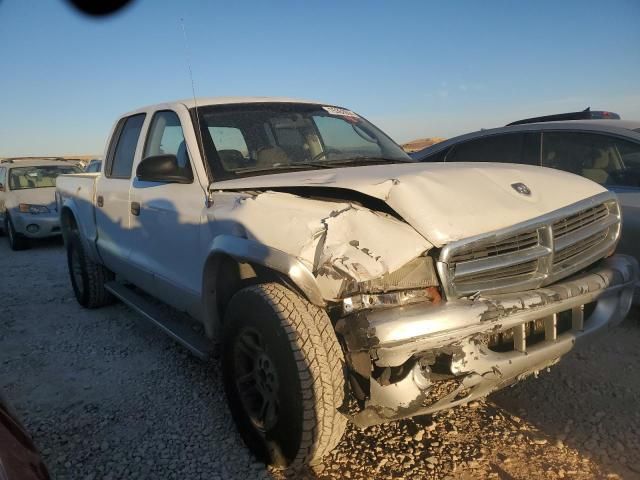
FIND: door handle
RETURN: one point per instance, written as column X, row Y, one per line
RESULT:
column 135, row 208
column 100, row 201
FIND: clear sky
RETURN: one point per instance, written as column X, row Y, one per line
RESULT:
column 415, row 68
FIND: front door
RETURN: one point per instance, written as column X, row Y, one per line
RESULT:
column 167, row 222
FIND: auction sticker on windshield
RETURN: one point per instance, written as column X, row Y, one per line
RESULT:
column 341, row 112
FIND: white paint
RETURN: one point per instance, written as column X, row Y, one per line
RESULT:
column 164, row 248
column 333, row 239
column 446, row 201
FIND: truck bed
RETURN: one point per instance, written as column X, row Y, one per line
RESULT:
column 79, row 189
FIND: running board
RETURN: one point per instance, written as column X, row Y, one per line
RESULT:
column 182, row 332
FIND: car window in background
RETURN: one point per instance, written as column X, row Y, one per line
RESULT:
column 122, row 161
column 166, row 137
column 3, row 175
column 507, row 148
column 23, row 178
column 605, row 160
column 630, row 153
column 438, row 157
column 94, row 166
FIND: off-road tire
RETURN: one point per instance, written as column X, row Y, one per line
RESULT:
column 16, row 240
column 89, row 278
column 309, row 363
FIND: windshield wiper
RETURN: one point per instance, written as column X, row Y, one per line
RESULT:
column 322, row 164
column 285, row 166
column 364, row 159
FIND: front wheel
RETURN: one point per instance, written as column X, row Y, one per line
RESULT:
column 283, row 375
column 16, row 240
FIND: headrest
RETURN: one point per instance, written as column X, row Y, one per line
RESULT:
column 268, row 156
column 231, row 158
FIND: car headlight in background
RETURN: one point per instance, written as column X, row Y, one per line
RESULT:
column 35, row 209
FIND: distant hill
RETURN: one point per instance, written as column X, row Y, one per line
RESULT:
column 415, row 145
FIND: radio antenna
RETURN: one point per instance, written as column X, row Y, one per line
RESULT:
column 195, row 105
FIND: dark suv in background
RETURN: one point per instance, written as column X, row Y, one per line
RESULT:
column 606, row 151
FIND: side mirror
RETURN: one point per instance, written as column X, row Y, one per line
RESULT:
column 163, row 168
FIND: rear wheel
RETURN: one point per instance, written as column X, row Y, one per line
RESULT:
column 283, row 375
column 87, row 277
column 16, row 240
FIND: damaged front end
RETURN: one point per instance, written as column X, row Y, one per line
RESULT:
column 427, row 326
column 423, row 358
column 515, row 301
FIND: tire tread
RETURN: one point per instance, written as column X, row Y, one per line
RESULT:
column 320, row 364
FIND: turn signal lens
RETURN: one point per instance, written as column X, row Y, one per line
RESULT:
column 35, row 209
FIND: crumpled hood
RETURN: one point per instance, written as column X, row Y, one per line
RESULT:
column 444, row 201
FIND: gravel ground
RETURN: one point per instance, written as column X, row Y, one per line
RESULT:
column 106, row 396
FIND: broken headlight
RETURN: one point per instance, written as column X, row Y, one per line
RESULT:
column 390, row 299
column 414, row 282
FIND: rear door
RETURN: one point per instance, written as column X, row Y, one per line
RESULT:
column 113, row 218
column 518, row 147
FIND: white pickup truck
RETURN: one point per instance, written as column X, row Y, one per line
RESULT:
column 343, row 281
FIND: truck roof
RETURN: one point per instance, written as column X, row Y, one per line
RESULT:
column 36, row 161
column 208, row 101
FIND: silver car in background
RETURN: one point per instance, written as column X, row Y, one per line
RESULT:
column 27, row 198
column 605, row 151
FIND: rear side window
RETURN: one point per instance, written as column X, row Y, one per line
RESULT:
column 338, row 135
column 121, row 161
column 3, row 176
column 507, row 148
column 604, row 159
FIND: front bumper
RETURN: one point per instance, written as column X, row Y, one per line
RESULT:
column 48, row 224
column 428, row 358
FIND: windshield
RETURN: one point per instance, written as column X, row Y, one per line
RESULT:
column 22, row 178
column 255, row 139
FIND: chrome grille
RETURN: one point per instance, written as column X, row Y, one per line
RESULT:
column 579, row 247
column 579, row 220
column 534, row 253
column 504, row 272
column 518, row 242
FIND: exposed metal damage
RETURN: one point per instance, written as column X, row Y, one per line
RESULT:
column 343, row 244
column 428, row 352
column 451, row 355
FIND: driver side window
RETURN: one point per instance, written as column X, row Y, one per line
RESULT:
column 166, row 137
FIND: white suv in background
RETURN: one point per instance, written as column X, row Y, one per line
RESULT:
column 27, row 198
